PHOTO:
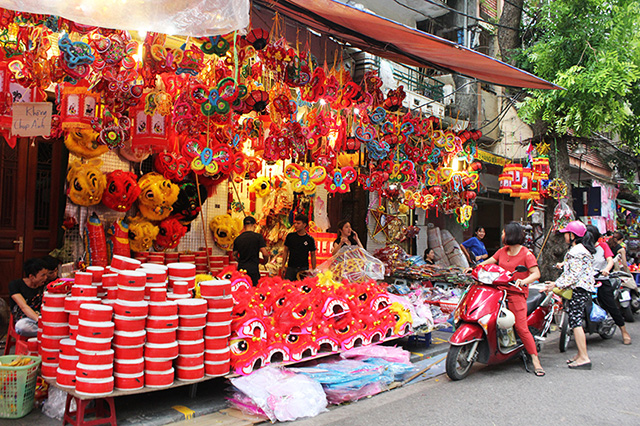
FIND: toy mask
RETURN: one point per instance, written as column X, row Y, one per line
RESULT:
column 122, row 190
column 187, row 207
column 261, row 186
column 83, row 143
column 170, row 233
column 85, row 183
column 172, row 166
column 225, row 229
column 141, row 234
column 157, row 196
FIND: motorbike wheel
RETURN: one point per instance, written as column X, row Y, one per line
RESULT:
column 457, row 365
column 607, row 329
column 627, row 313
column 635, row 303
column 565, row 333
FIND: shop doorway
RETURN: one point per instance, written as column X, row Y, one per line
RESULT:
column 30, row 202
column 492, row 215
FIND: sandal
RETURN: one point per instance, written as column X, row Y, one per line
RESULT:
column 585, row 366
column 539, row 372
column 626, row 341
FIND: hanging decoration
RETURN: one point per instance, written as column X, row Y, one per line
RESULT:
column 85, row 182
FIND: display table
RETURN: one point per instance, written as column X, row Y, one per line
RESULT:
column 104, row 409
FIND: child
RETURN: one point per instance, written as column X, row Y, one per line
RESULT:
column 26, row 297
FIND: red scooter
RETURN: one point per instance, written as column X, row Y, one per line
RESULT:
column 484, row 325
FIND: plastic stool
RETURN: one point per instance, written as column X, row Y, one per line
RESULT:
column 417, row 339
column 13, row 337
column 77, row 418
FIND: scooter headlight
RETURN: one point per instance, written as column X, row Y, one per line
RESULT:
column 484, row 322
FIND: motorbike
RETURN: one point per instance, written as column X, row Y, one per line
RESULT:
column 626, row 294
column 484, row 326
column 605, row 328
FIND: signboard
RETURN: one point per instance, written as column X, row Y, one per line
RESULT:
column 31, row 119
column 490, row 158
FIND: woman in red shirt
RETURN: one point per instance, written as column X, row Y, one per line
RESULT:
column 511, row 255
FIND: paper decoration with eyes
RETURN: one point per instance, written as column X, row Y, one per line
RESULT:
column 84, row 143
column 187, row 208
column 141, row 234
column 157, row 196
column 169, row 235
column 225, row 229
column 122, row 190
column 85, row 182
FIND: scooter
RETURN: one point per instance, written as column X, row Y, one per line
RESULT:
column 626, row 294
column 605, row 328
column 484, row 326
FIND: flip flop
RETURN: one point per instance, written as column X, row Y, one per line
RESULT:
column 569, row 361
column 626, row 342
column 585, row 366
column 539, row 372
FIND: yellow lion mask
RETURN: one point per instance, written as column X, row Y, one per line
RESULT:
column 141, row 234
column 225, row 229
column 85, row 182
column 83, row 143
column 157, row 196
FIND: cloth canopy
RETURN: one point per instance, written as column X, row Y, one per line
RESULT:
column 389, row 39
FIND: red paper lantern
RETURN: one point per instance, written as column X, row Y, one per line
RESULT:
column 150, row 130
column 79, row 106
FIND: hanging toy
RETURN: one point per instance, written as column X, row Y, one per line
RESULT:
column 172, row 166
column 83, row 143
column 187, row 208
column 95, row 242
column 261, row 187
column 339, row 180
column 303, row 179
column 122, row 190
column 169, row 235
column 225, row 229
column 85, row 182
column 141, row 234
column 119, row 238
column 157, row 196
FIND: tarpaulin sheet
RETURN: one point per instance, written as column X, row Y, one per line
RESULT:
column 397, row 42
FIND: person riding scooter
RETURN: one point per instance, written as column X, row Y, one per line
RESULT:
column 578, row 274
column 512, row 254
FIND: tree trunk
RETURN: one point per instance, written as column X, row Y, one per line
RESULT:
column 508, row 32
column 555, row 247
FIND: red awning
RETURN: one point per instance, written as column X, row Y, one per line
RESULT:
column 400, row 43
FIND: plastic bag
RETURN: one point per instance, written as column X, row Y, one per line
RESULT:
column 54, row 405
column 597, row 313
column 562, row 215
column 282, row 394
column 353, row 264
column 387, row 353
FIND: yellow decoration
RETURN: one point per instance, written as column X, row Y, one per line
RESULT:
column 404, row 316
column 261, row 186
column 157, row 196
column 225, row 229
column 83, row 144
column 303, row 179
column 85, row 182
column 141, row 234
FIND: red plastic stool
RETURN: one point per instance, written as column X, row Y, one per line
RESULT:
column 77, row 418
column 13, row 338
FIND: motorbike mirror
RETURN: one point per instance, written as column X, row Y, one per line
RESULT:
column 521, row 268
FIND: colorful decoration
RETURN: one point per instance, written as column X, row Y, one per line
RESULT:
column 187, row 207
column 84, row 143
column 141, row 234
column 303, row 179
column 122, row 190
column 95, row 242
column 85, row 182
column 170, row 232
column 172, row 166
column 225, row 229
column 119, row 238
column 157, row 196
column 261, row 187
column 339, row 180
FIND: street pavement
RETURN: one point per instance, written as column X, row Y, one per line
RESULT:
column 506, row 395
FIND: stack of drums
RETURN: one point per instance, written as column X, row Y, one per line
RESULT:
column 66, row 373
column 201, row 263
column 54, row 322
column 83, row 291
column 218, row 263
column 161, row 347
column 94, row 370
column 156, row 286
column 217, row 356
column 192, row 320
column 110, row 288
column 182, row 272
column 171, row 256
column 129, row 337
column 156, row 257
column 96, row 279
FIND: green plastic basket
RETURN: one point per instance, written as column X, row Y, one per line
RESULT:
column 17, row 387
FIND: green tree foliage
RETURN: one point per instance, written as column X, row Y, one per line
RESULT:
column 590, row 48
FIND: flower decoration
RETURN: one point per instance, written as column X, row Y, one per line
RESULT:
column 373, row 181
column 340, row 179
column 303, row 179
column 218, row 45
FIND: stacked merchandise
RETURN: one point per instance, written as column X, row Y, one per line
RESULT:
column 217, row 293
column 161, row 347
column 192, row 319
column 66, row 373
column 55, row 327
column 94, row 370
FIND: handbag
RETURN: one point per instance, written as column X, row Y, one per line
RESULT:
column 597, row 313
column 566, row 293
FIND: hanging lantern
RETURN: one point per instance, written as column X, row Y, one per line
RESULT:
column 79, row 106
column 541, row 164
column 534, row 194
column 12, row 92
column 505, row 183
column 515, row 170
column 150, row 130
column 525, row 186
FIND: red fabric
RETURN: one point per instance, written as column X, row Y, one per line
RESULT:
column 518, row 305
column 607, row 250
column 391, row 40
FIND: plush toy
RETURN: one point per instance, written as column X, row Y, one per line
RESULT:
column 157, row 196
column 169, row 235
column 83, row 143
column 122, row 190
column 141, row 234
column 187, row 208
column 95, row 242
column 85, row 182
column 119, row 238
column 225, row 229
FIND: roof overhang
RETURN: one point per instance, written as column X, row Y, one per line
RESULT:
column 388, row 39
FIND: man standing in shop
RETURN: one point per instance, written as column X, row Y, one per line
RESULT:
column 247, row 248
column 297, row 247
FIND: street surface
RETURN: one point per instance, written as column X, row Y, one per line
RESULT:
column 505, row 394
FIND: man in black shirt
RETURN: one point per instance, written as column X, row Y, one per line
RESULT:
column 26, row 297
column 297, row 247
column 247, row 247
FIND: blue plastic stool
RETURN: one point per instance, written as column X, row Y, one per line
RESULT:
column 417, row 339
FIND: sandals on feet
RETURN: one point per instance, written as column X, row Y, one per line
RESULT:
column 539, row 372
column 626, row 341
column 585, row 366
